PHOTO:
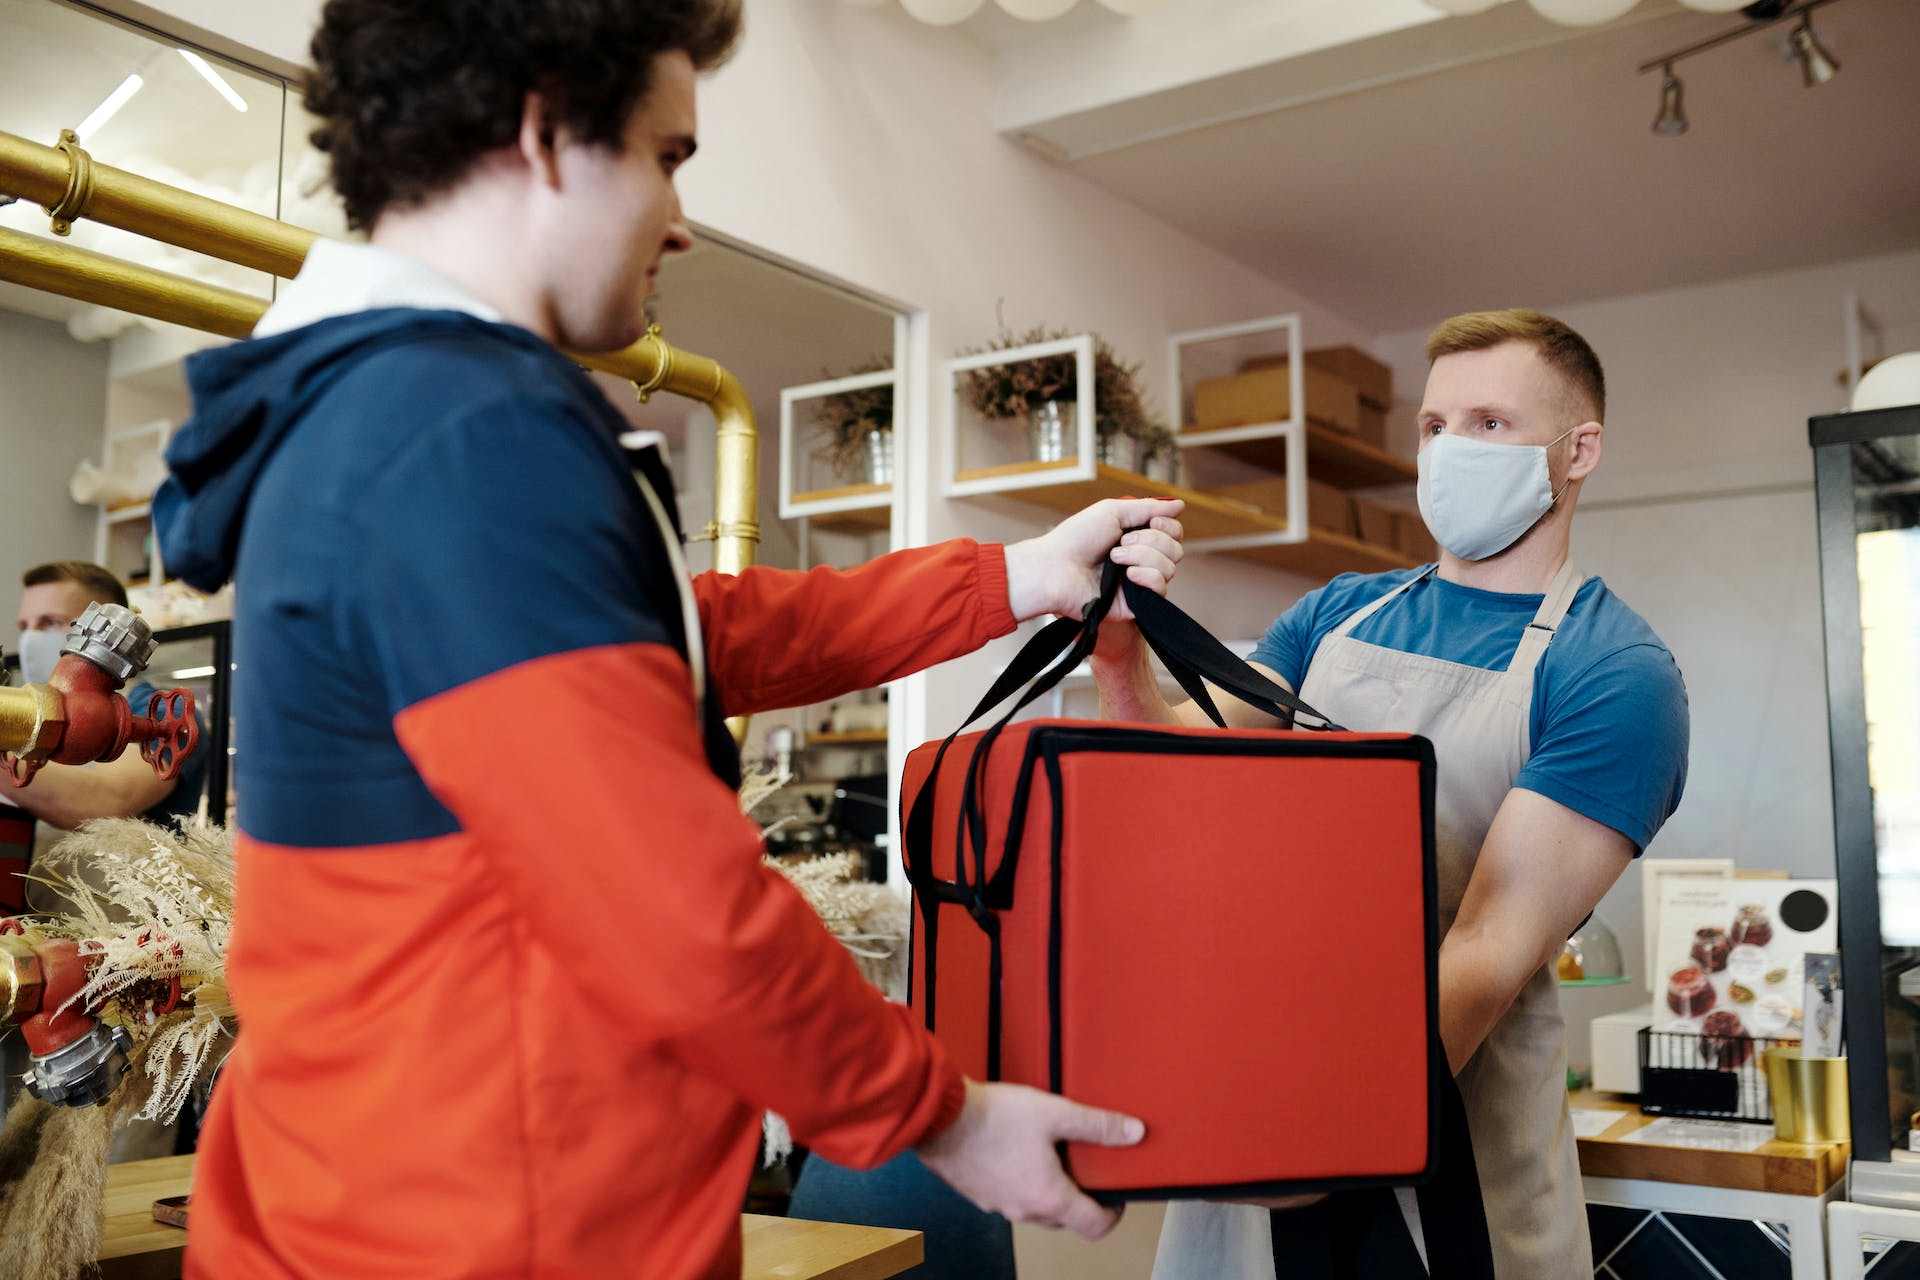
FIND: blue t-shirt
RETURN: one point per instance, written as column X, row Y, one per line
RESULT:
column 1609, row 723
column 184, row 800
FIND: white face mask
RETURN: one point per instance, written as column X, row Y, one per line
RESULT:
column 39, row 654
column 1479, row 498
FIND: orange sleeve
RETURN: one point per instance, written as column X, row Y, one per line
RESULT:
column 780, row 638
column 626, row 854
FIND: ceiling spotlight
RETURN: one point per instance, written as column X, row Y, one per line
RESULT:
column 98, row 117
column 1817, row 66
column 213, row 78
column 1672, row 120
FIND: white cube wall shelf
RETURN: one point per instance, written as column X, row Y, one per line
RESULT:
column 1293, row 431
column 841, row 500
column 1015, row 476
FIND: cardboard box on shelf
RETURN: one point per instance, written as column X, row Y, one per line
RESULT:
column 1328, row 508
column 1378, row 524
column 1371, row 425
column 1413, row 539
column 1263, row 393
column 1373, row 380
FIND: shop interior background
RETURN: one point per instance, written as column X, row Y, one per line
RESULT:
column 871, row 185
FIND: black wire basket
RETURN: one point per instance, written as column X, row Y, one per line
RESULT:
column 1713, row 1077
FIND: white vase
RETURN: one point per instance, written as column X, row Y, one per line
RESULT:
column 1116, row 450
column 879, row 456
column 1050, row 430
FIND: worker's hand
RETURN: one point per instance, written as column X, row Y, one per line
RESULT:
column 1059, row 571
column 1000, row 1155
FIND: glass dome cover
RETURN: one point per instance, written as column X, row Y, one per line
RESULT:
column 1591, row 957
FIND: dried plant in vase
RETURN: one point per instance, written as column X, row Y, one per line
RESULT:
column 1160, row 453
column 857, row 427
column 1043, row 392
column 149, row 907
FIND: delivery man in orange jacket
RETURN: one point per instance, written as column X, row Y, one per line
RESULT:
column 514, row 983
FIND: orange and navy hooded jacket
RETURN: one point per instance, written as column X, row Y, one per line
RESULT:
column 513, row 983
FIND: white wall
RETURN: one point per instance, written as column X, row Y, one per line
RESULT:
column 52, row 403
column 860, row 144
column 1701, row 518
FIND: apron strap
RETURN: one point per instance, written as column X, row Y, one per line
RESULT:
column 1553, row 609
column 1360, row 616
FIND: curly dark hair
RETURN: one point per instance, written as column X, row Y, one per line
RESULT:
column 409, row 93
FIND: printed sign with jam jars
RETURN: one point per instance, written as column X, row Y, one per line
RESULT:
column 1731, row 958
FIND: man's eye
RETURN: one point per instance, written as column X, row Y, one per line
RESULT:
column 1491, row 424
column 1434, row 428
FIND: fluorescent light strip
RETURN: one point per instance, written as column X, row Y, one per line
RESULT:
column 214, row 78
column 106, row 110
column 193, row 673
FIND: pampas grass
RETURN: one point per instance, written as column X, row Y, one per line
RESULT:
column 147, row 905
column 151, row 904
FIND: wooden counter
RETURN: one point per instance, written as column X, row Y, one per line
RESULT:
column 1784, row 1168
column 137, row 1248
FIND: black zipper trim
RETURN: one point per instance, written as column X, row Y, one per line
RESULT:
column 1053, row 935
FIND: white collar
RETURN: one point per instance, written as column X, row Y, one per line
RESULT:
column 340, row 279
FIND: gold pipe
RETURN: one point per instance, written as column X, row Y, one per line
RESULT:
column 52, row 177
column 53, row 267
column 17, row 719
column 21, row 979
column 153, row 209
column 31, row 718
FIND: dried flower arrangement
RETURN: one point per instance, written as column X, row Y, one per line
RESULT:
column 1015, row 390
column 153, row 904
column 847, row 418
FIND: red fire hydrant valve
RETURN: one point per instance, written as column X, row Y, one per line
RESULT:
column 79, row 715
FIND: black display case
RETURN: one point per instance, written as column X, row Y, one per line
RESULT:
column 1867, row 489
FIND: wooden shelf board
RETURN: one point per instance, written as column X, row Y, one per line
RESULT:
column 877, row 518
column 854, row 738
column 134, row 1247
column 1326, row 555
column 1206, row 516
column 1333, row 457
column 1783, row 1168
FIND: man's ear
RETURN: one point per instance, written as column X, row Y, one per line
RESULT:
column 537, row 141
column 1587, row 440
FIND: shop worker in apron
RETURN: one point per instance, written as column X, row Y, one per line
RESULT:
column 514, row 983
column 1559, row 721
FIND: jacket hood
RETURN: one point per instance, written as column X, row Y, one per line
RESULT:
column 247, row 399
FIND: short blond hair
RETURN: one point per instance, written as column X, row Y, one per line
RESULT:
column 1565, row 351
column 96, row 580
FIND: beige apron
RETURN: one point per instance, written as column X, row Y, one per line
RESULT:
column 1515, row 1086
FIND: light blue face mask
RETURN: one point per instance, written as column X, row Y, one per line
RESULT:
column 1477, row 498
column 39, row 654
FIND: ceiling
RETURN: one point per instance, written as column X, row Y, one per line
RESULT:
column 1534, row 178
column 58, row 63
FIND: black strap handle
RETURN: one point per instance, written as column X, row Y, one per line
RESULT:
column 1189, row 652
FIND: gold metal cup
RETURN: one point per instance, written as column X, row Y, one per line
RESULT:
column 1809, row 1097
